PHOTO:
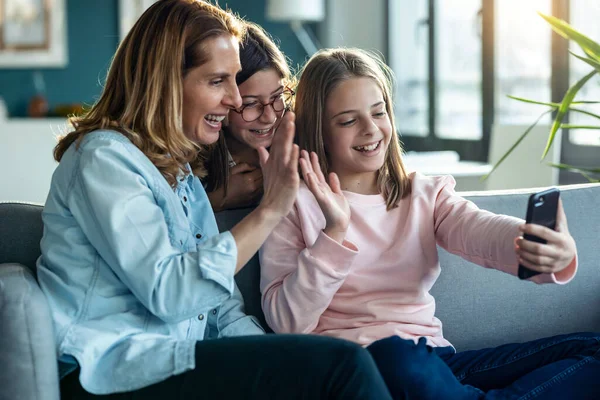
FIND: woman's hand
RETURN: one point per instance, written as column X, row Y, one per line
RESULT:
column 244, row 189
column 556, row 254
column 280, row 170
column 332, row 201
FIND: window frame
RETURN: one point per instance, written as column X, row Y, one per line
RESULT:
column 478, row 149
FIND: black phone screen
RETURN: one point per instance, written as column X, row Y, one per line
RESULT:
column 541, row 209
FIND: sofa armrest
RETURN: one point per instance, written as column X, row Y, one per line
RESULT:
column 27, row 346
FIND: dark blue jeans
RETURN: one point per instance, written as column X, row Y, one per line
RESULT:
column 559, row 367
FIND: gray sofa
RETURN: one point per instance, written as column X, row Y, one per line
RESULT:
column 478, row 307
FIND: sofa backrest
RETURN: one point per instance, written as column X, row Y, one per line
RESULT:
column 478, row 307
column 20, row 233
column 482, row 308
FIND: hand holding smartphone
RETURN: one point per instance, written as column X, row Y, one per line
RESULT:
column 541, row 209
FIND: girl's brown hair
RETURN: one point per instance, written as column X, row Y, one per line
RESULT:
column 319, row 77
column 143, row 94
column 258, row 52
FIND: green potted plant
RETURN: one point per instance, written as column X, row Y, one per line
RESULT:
column 591, row 56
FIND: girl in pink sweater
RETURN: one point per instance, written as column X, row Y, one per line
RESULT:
column 357, row 256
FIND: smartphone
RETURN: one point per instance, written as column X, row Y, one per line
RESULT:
column 541, row 209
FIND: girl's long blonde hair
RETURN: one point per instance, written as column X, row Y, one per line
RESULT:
column 319, row 77
column 143, row 94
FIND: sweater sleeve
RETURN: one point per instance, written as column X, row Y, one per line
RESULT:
column 298, row 280
column 482, row 237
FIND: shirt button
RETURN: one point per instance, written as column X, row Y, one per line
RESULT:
column 201, row 317
column 184, row 198
column 214, row 312
column 198, row 235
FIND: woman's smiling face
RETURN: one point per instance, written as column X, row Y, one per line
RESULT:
column 210, row 90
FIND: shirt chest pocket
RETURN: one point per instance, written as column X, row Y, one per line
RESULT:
column 186, row 235
column 181, row 237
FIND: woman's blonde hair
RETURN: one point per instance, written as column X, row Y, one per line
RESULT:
column 318, row 78
column 258, row 52
column 143, row 94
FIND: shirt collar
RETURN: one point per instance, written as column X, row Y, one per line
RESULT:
column 186, row 177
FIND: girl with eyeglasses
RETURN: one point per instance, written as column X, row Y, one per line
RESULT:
column 235, row 177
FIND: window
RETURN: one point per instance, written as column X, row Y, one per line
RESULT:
column 585, row 15
column 523, row 67
column 458, row 69
column 456, row 62
column 438, row 95
column 410, row 65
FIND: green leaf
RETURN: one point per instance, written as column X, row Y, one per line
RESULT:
column 569, row 126
column 582, row 111
column 514, row 146
column 595, row 64
column 589, row 178
column 585, row 172
column 590, row 47
column 574, row 168
column 564, row 107
column 554, row 105
column 542, row 103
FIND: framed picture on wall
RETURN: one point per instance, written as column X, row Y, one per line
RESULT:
column 33, row 33
column 129, row 12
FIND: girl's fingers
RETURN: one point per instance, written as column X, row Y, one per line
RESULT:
column 316, row 167
column 334, row 183
column 304, row 156
column 536, row 248
column 535, row 259
column 305, row 169
column 561, row 218
column 542, row 232
column 313, row 185
column 532, row 266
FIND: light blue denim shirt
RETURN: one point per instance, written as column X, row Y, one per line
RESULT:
column 134, row 271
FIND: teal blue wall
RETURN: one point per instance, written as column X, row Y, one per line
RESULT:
column 93, row 36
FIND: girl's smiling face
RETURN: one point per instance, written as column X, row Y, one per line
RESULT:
column 262, row 88
column 357, row 128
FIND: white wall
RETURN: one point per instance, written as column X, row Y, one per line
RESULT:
column 26, row 162
column 523, row 168
column 355, row 23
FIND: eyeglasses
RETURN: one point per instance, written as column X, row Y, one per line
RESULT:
column 252, row 111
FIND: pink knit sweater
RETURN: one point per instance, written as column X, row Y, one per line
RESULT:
column 377, row 283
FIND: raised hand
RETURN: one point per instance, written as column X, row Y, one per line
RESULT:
column 280, row 169
column 244, row 189
column 556, row 254
column 332, row 201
